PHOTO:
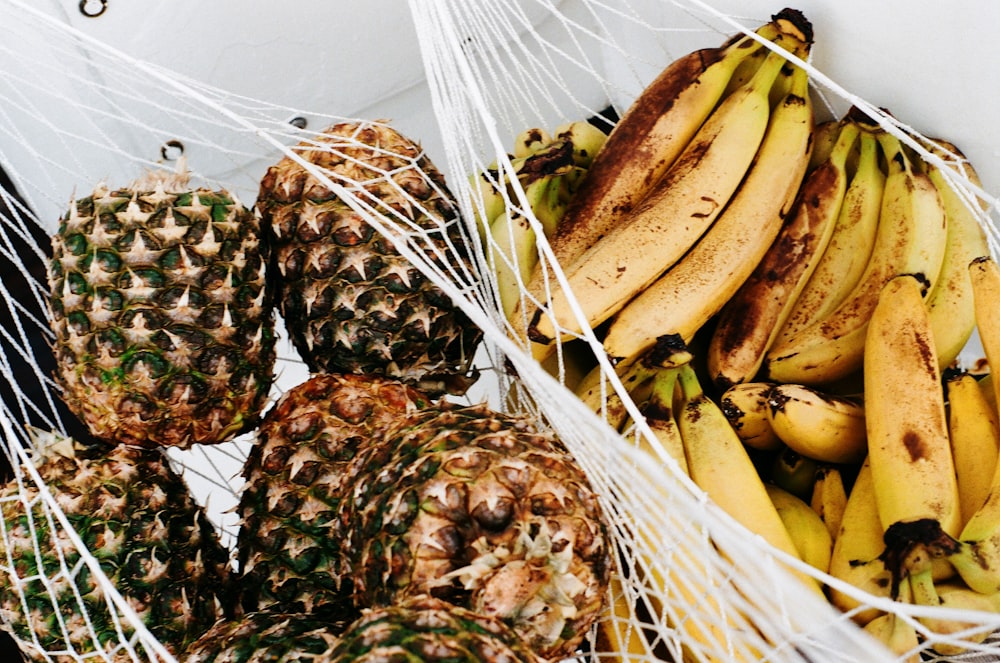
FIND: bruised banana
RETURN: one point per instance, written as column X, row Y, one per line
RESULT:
column 720, row 465
column 809, row 534
column 821, row 426
column 745, row 406
column 652, row 133
column 843, row 261
column 908, row 446
column 693, row 290
column 857, row 549
column 975, row 440
column 911, row 239
column 829, row 497
column 950, row 300
column 978, row 558
column 749, row 322
column 670, row 219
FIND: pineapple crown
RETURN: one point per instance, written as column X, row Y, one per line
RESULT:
column 176, row 181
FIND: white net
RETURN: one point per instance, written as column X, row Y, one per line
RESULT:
column 75, row 110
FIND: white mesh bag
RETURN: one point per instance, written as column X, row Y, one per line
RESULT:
column 490, row 70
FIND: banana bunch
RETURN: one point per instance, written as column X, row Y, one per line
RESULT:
column 871, row 210
column 655, row 239
column 547, row 171
column 692, row 435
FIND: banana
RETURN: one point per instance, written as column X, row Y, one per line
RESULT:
column 824, row 138
column 911, row 238
column 857, row 549
column 745, row 406
column 808, row 532
column 829, row 497
column 597, row 395
column 683, row 299
column 587, row 141
column 650, row 136
column 950, row 300
column 978, row 560
column 618, row 636
column 846, row 254
column 659, row 413
column 719, row 464
column 514, row 256
column 897, row 633
column 749, row 322
column 792, row 471
column 908, row 447
column 827, row 428
column 670, row 219
column 530, row 141
column 975, row 440
column 963, row 634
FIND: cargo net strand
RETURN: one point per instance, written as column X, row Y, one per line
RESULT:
column 689, row 582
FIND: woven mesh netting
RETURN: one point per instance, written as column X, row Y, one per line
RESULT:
column 75, row 111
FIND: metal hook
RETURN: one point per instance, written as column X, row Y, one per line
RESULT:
column 93, row 13
column 172, row 150
column 298, row 122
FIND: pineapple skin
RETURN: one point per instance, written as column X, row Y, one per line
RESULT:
column 423, row 628
column 288, row 545
column 267, row 636
column 137, row 518
column 485, row 510
column 351, row 303
column 162, row 313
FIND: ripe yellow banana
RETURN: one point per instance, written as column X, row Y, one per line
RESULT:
column 662, row 420
column 672, row 216
column 649, row 137
column 911, row 239
column 960, row 598
column 846, row 254
column 978, row 560
column 829, row 497
column 745, row 406
column 719, row 464
column 808, row 532
column 975, row 440
column 693, row 290
column 618, row 636
column 857, row 549
column 750, row 321
column 952, row 313
column 908, row 446
column 824, row 138
column 824, row 427
column 897, row 633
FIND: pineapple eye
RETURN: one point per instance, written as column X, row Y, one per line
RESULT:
column 144, row 362
column 110, row 261
column 76, row 244
column 77, row 283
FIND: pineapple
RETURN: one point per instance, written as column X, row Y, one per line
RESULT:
column 138, row 520
column 482, row 509
column 267, row 637
column 288, row 546
column 422, row 628
column 350, row 301
column 163, row 318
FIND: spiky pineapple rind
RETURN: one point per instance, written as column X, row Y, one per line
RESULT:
column 162, row 313
column 350, row 301
column 289, row 541
column 486, row 510
column 152, row 541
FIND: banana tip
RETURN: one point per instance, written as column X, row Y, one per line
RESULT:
column 793, row 20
